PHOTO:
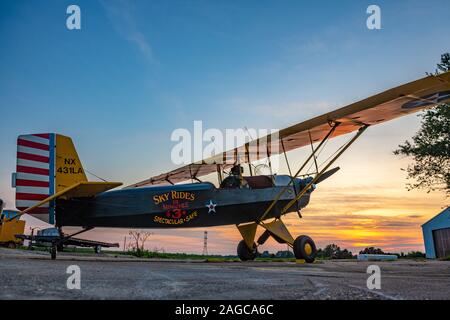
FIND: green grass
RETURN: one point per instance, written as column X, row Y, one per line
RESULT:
column 181, row 256
column 161, row 255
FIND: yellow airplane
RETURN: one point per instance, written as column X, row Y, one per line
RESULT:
column 51, row 183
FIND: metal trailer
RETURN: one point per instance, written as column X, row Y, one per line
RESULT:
column 53, row 238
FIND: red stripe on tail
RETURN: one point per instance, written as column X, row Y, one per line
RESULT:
column 32, row 170
column 30, row 196
column 31, row 144
column 33, row 157
column 31, row 183
column 43, row 135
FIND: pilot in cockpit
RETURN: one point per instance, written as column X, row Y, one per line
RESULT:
column 235, row 179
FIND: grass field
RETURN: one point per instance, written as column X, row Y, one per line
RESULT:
column 186, row 256
column 160, row 255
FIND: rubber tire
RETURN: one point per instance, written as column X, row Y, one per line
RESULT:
column 299, row 249
column 244, row 253
column 53, row 252
column 98, row 249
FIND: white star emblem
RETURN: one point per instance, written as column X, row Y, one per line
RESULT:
column 211, row 206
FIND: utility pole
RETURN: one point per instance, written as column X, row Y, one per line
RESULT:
column 205, row 243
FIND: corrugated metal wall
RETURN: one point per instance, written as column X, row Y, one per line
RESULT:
column 442, row 242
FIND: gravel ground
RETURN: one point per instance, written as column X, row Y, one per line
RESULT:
column 32, row 275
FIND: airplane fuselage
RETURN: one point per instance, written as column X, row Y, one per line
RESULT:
column 175, row 206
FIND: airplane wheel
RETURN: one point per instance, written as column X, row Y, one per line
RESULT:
column 305, row 248
column 53, row 252
column 244, row 253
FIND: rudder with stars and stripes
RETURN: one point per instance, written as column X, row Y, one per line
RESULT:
column 46, row 163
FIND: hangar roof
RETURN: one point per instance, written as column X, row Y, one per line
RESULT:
column 442, row 214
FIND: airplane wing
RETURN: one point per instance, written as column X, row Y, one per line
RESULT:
column 393, row 103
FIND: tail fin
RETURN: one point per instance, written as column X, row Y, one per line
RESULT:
column 46, row 163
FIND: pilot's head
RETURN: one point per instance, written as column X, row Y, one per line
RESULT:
column 237, row 170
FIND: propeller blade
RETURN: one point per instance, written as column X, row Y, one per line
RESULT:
column 327, row 174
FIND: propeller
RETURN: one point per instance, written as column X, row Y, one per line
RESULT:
column 327, row 174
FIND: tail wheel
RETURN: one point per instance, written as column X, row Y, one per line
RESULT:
column 305, row 248
column 245, row 253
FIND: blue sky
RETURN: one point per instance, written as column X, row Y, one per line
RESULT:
column 137, row 70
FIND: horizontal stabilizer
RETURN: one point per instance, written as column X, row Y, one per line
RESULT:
column 88, row 189
column 78, row 190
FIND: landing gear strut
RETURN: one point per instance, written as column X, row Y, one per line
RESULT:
column 245, row 253
column 305, row 248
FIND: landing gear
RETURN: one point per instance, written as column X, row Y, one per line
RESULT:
column 305, row 248
column 245, row 253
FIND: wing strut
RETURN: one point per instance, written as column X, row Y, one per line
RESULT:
column 289, row 167
column 327, row 136
column 318, row 175
column 315, row 158
column 219, row 174
column 281, row 231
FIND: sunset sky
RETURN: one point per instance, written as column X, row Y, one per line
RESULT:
column 137, row 70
